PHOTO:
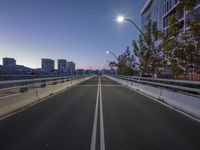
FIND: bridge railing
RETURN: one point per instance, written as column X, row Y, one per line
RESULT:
column 185, row 86
column 26, row 84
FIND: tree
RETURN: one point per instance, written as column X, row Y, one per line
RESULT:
column 170, row 46
column 191, row 38
column 112, row 65
column 186, row 5
column 147, row 50
column 182, row 50
column 126, row 63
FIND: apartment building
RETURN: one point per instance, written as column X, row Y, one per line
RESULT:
column 160, row 11
column 170, row 9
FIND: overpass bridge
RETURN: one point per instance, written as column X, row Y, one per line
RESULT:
column 99, row 113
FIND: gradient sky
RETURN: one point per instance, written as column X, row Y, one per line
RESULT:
column 76, row 30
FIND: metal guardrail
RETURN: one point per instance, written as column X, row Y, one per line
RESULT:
column 24, row 85
column 192, row 87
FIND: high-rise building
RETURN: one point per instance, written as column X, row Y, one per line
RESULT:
column 9, row 62
column 152, row 11
column 71, row 68
column 62, row 66
column 47, row 65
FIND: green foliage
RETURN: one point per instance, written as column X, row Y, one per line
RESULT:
column 112, row 64
column 154, row 50
column 149, row 55
column 174, row 27
column 126, row 63
column 182, row 50
column 186, row 5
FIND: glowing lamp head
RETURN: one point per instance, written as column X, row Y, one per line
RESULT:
column 120, row 19
column 107, row 52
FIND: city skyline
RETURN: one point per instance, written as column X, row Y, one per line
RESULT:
column 13, row 61
column 32, row 30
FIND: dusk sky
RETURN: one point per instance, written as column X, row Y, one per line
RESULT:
column 76, row 30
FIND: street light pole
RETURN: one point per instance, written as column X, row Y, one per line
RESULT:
column 110, row 63
column 113, row 54
column 132, row 22
column 121, row 19
column 106, row 61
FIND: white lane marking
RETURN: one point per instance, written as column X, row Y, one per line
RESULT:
column 86, row 85
column 102, row 140
column 94, row 131
column 97, row 85
column 112, row 85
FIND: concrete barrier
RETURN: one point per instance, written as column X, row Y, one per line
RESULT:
column 186, row 103
column 12, row 103
column 16, row 102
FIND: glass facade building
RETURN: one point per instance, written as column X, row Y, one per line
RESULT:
column 170, row 9
column 9, row 62
column 160, row 11
column 47, row 65
column 71, row 68
column 62, row 66
column 152, row 10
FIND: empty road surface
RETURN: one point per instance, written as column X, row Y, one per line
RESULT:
column 99, row 114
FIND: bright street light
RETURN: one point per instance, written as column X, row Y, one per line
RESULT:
column 120, row 19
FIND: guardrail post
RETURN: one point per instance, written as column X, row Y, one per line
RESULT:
column 160, row 93
column 23, row 89
column 43, row 85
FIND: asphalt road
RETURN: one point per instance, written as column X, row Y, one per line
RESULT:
column 99, row 114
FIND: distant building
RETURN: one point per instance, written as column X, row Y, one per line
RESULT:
column 9, row 62
column 80, row 71
column 88, row 72
column 71, row 68
column 62, row 66
column 47, row 65
column 11, row 68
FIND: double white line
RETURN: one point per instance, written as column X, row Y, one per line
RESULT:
column 94, row 131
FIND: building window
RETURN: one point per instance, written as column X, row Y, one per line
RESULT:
column 167, row 6
column 165, row 22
